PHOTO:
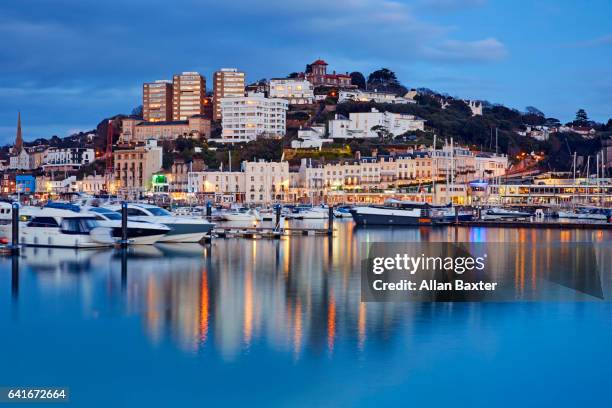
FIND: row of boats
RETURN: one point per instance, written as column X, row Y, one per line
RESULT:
column 84, row 225
column 69, row 225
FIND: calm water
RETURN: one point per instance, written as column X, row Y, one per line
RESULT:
column 280, row 323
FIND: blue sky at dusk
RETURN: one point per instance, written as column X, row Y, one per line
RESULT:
column 68, row 64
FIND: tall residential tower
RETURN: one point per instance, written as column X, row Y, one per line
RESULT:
column 157, row 101
column 189, row 93
column 227, row 83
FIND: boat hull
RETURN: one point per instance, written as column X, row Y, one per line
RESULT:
column 187, row 232
column 394, row 219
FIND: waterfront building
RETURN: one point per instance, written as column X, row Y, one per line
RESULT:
column 221, row 187
column 52, row 185
column 266, row 182
column 227, row 82
column 248, row 117
column 188, row 95
column 138, row 131
column 544, row 190
column 460, row 164
column 92, row 184
column 297, row 91
column 134, row 168
column 363, row 125
column 67, row 159
column 258, row 182
column 178, row 178
column 356, row 95
column 157, row 101
column 25, row 184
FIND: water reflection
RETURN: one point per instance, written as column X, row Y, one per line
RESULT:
column 296, row 295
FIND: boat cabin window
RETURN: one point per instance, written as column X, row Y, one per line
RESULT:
column 43, row 222
column 160, row 212
column 107, row 214
column 78, row 225
column 134, row 212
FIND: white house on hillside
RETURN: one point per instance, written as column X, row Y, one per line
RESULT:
column 361, row 125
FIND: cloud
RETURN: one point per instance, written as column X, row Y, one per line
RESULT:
column 76, row 62
column 451, row 5
column 489, row 49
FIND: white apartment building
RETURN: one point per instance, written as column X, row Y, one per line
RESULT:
column 464, row 165
column 248, row 117
column 266, row 182
column 258, row 182
column 219, row 186
column 357, row 95
column 297, row 91
column 67, row 158
column 362, row 125
column 91, row 184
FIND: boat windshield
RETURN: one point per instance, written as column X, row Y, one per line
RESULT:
column 78, row 225
column 111, row 215
column 159, row 212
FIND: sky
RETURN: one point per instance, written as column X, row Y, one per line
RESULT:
column 66, row 65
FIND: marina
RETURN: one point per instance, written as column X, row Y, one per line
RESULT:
column 186, row 319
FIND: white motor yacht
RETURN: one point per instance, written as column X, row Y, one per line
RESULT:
column 138, row 232
column 182, row 229
column 242, row 214
column 54, row 227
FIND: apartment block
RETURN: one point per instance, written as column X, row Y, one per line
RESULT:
column 297, row 91
column 248, row 117
column 189, row 93
column 71, row 158
column 227, row 83
column 157, row 101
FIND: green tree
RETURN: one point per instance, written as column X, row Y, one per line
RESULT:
column 382, row 132
column 581, row 117
column 358, row 80
column 384, row 80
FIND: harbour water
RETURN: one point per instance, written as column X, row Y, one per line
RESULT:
column 246, row 322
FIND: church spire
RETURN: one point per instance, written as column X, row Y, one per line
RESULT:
column 19, row 138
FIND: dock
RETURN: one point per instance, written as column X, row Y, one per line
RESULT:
column 535, row 224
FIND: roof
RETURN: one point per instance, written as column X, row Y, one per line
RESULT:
column 164, row 123
column 319, row 62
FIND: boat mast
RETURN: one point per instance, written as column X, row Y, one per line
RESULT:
column 452, row 168
column 435, row 169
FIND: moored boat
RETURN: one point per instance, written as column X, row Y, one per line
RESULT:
column 400, row 213
column 54, row 227
column 497, row 213
column 182, row 229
